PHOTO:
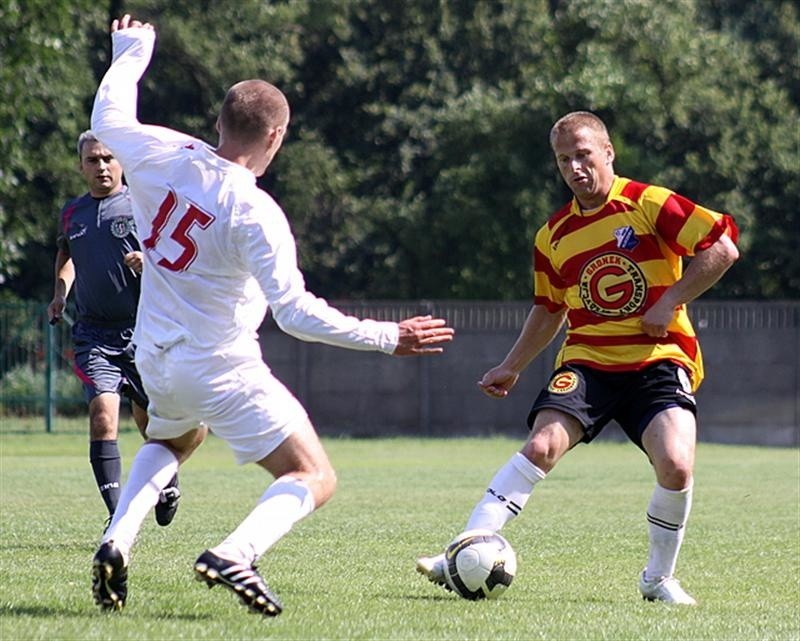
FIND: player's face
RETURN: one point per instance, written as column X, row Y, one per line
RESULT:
column 102, row 171
column 585, row 159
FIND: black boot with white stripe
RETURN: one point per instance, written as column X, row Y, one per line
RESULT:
column 243, row 580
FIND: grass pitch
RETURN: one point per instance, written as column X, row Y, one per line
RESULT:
column 347, row 572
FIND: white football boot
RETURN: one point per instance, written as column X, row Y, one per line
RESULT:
column 432, row 567
column 666, row 589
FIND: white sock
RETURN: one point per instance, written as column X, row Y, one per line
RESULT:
column 507, row 494
column 153, row 468
column 284, row 503
column 666, row 518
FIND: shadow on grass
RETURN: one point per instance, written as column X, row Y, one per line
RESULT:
column 46, row 612
column 421, row 597
column 72, row 546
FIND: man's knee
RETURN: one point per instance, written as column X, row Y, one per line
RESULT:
column 103, row 417
column 554, row 433
column 669, row 441
column 675, row 474
column 326, row 486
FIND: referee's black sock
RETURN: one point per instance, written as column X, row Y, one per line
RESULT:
column 107, row 467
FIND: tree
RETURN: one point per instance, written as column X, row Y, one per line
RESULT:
column 417, row 162
column 42, row 111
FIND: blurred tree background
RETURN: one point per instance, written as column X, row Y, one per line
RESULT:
column 417, row 162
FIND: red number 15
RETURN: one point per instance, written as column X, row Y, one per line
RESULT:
column 192, row 216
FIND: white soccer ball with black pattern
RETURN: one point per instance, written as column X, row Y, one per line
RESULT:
column 479, row 564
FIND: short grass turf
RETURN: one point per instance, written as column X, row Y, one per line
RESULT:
column 347, row 572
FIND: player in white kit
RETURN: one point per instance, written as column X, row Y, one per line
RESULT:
column 218, row 251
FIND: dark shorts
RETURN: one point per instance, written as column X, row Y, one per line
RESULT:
column 595, row 397
column 104, row 362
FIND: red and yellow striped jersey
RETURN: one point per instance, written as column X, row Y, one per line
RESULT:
column 608, row 266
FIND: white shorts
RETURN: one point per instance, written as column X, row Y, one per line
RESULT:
column 234, row 394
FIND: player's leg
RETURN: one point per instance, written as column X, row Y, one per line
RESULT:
column 173, row 384
column 170, row 496
column 104, row 454
column 95, row 365
column 139, row 413
column 263, row 423
column 574, row 407
column 304, row 481
column 552, row 435
column 153, row 466
column 669, row 441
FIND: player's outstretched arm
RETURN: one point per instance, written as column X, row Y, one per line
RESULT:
column 422, row 335
column 539, row 330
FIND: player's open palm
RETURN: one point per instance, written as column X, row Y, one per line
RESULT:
column 498, row 381
column 422, row 335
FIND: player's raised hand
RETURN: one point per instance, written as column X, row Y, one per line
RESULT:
column 422, row 335
column 498, row 381
column 126, row 22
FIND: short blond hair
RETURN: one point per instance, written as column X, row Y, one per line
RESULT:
column 251, row 109
column 575, row 120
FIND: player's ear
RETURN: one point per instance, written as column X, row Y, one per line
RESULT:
column 610, row 154
column 275, row 137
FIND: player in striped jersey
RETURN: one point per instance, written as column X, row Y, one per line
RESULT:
column 609, row 263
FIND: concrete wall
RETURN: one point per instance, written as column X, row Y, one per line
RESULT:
column 751, row 393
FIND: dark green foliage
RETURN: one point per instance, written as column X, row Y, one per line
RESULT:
column 417, row 162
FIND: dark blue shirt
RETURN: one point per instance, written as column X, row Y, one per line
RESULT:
column 97, row 233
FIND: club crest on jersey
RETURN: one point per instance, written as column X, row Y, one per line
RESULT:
column 612, row 285
column 563, row 383
column 121, row 227
column 626, row 238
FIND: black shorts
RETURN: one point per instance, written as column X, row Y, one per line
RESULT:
column 104, row 362
column 595, row 397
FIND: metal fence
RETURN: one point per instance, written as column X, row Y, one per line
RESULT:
column 751, row 393
column 36, row 377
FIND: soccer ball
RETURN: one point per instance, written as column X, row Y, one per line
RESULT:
column 479, row 564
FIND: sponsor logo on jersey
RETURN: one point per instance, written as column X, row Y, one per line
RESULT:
column 563, row 383
column 612, row 285
column 121, row 227
column 76, row 231
column 626, row 238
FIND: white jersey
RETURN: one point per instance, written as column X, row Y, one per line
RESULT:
column 218, row 250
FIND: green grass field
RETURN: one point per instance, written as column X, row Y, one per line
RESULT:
column 347, row 572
